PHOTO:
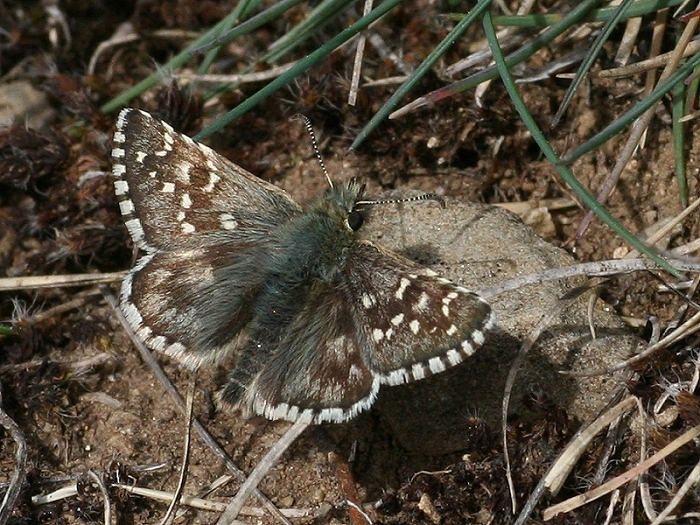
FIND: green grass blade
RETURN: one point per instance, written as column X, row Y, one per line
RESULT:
column 639, row 8
column 679, row 138
column 209, row 38
column 258, row 20
column 322, row 14
column 525, row 52
column 300, row 67
column 581, row 191
column 422, row 69
column 590, row 58
column 625, row 120
column 244, row 6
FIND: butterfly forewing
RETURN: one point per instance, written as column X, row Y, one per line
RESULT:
column 172, row 190
column 413, row 322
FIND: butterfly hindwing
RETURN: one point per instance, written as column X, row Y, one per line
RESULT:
column 312, row 368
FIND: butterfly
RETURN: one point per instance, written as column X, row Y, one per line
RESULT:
column 316, row 318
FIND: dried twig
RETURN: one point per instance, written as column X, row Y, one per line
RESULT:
column 20, row 472
column 180, row 404
column 57, row 281
column 97, row 478
column 615, row 483
column 170, row 514
column 347, row 485
column 261, row 469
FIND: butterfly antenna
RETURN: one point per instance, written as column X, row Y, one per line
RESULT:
column 310, row 131
column 424, row 197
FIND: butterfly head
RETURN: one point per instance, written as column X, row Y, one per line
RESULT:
column 340, row 202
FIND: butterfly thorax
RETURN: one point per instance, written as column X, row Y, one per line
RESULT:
column 316, row 243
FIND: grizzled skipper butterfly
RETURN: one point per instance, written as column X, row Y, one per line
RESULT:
column 318, row 320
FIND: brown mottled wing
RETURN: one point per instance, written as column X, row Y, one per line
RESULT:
column 201, row 221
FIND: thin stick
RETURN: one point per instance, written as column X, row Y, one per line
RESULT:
column 170, row 514
column 20, row 473
column 692, row 479
column 620, row 480
column 56, row 281
column 359, row 53
column 204, row 504
column 534, row 334
column 180, row 404
column 105, row 495
column 347, row 485
column 260, row 471
column 593, row 269
column 560, row 469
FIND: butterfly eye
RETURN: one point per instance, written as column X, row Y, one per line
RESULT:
column 355, row 220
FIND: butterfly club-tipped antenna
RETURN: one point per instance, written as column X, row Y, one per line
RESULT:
column 424, row 197
column 310, row 131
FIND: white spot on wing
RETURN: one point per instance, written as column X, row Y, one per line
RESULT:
column 118, row 170
column 228, row 221
column 121, row 187
column 402, row 288
column 454, row 357
column 132, row 315
column 396, row 377
column 414, row 325
column 213, row 179
column 157, row 343
column 186, row 202
column 186, row 227
column 467, row 348
column 418, row 371
column 175, row 349
column 422, row 303
column 377, row 335
column 140, row 155
column 182, row 172
column 168, row 187
column 397, row 319
column 436, row 365
column 121, row 119
column 126, row 207
column 135, row 230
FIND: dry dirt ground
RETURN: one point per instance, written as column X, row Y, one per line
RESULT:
column 71, row 378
